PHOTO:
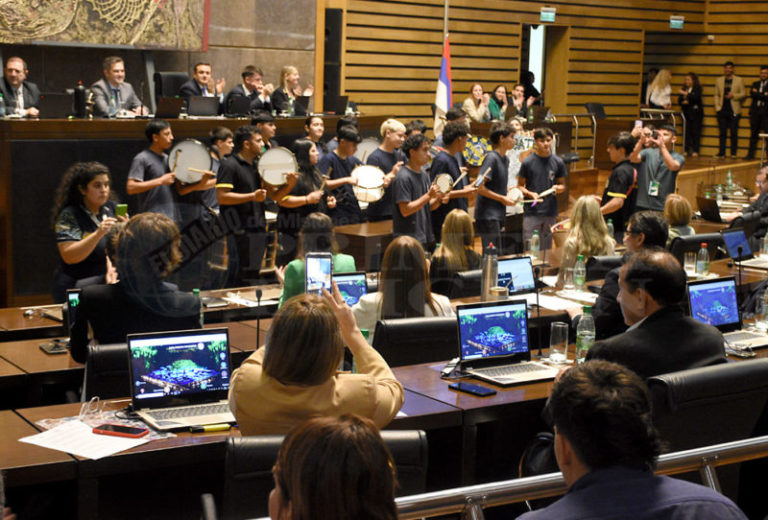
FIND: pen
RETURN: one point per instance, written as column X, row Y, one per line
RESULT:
column 210, row 428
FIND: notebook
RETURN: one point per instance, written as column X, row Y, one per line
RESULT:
column 493, row 343
column 352, row 286
column 714, row 302
column 735, row 238
column 180, row 379
column 169, row 107
column 203, row 106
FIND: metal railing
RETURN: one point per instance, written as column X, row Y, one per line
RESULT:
column 651, row 113
column 704, row 460
column 575, row 119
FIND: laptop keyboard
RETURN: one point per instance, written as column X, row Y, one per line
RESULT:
column 742, row 336
column 189, row 411
column 509, row 370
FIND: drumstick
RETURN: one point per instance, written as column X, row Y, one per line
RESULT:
column 197, row 170
column 175, row 160
column 460, row 177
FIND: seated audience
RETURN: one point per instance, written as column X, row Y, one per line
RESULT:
column 660, row 338
column 476, row 105
column 646, row 229
column 606, row 446
column 202, row 83
column 455, row 252
column 284, row 97
column 404, row 290
column 760, row 204
column 253, row 88
column 519, row 102
column 297, row 377
column 588, row 235
column 497, row 106
column 334, row 468
column 112, row 94
column 14, row 83
column 82, row 216
column 316, row 237
column 147, row 252
column 678, row 212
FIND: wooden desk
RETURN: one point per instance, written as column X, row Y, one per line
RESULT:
column 14, row 326
column 705, row 226
column 365, row 242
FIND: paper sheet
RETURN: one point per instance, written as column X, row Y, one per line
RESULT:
column 77, row 438
column 552, row 303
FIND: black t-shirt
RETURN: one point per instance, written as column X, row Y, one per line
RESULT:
column 496, row 181
column 242, row 177
column 347, row 210
column 621, row 184
column 540, row 174
column 382, row 208
column 407, row 186
column 290, row 220
column 447, row 163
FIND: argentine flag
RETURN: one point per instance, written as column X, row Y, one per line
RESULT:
column 443, row 96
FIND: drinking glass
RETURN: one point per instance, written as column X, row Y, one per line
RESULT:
column 568, row 279
column 558, row 342
column 690, row 263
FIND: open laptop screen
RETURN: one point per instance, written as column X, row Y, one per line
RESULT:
column 171, row 366
column 516, row 274
column 735, row 238
column 714, row 302
column 492, row 329
column 352, row 286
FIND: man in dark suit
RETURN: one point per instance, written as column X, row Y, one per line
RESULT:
column 660, row 338
column 253, row 88
column 112, row 94
column 202, row 83
column 758, row 111
column 15, row 83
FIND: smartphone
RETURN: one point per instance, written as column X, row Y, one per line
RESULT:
column 480, row 391
column 638, row 123
column 54, row 347
column 121, row 210
column 120, row 430
column 70, row 309
column 317, row 272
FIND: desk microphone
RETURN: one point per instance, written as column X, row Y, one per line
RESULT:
column 377, row 265
column 738, row 264
column 536, row 272
column 258, row 317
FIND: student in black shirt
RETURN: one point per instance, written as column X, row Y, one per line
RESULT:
column 618, row 202
column 389, row 159
column 337, row 166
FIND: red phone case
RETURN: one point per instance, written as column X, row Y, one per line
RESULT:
column 99, row 431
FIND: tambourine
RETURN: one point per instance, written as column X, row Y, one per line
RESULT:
column 444, row 182
column 366, row 148
column 370, row 183
column 275, row 163
column 476, row 150
column 190, row 159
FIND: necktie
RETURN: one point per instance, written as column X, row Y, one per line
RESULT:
column 20, row 100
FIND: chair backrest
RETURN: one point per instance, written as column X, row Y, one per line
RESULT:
column 749, row 222
column 249, row 460
column 409, row 341
column 106, row 372
column 692, row 243
column 466, row 284
column 598, row 266
column 167, row 84
column 597, row 109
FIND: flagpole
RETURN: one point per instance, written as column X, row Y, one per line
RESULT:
column 445, row 19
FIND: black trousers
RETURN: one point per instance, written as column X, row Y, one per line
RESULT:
column 728, row 121
column 250, row 247
column 758, row 124
column 693, row 125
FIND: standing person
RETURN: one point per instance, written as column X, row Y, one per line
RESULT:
column 497, row 106
column 389, row 159
column 657, row 176
column 541, row 171
column 253, row 88
column 453, row 114
column 620, row 193
column 337, row 166
column 660, row 90
column 222, row 144
column 202, row 83
column 729, row 91
column 455, row 136
column 693, row 110
column 527, row 78
column 649, row 77
column 314, row 128
column 413, row 195
column 476, row 105
column 284, row 97
column 112, row 94
column 758, row 111
column 265, row 122
column 20, row 96
column 241, row 195
column 149, row 176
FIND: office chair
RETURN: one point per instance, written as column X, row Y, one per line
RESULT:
column 749, row 222
column 598, row 266
column 692, row 243
column 410, row 341
column 167, row 84
column 466, row 284
column 106, row 372
column 248, row 469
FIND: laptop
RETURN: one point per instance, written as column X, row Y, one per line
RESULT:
column 735, row 238
column 352, row 286
column 516, row 274
column 714, row 302
column 709, row 209
column 180, row 379
column 303, row 102
column 169, row 107
column 239, row 106
column 493, row 343
column 203, row 106
column 336, row 104
column 55, row 106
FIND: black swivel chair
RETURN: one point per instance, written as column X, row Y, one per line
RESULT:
column 749, row 222
column 466, row 284
column 106, row 372
column 692, row 243
column 409, row 341
column 598, row 266
column 249, row 460
column 596, row 109
column 167, row 84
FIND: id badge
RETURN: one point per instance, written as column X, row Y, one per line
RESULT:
column 653, row 189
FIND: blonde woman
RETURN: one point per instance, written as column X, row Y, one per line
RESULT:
column 588, row 235
column 678, row 214
column 284, row 96
column 455, row 253
column 660, row 90
column 476, row 105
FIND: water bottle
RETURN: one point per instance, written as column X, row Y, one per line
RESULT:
column 585, row 334
column 112, row 106
column 530, row 114
column 702, row 260
column 196, row 292
column 729, row 179
column 610, row 227
column 490, row 276
column 535, row 245
column 580, row 274
column 719, row 191
column 2, row 106
column 707, row 195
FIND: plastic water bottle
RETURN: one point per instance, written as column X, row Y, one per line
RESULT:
column 729, row 179
column 490, row 275
column 2, row 106
column 535, row 245
column 196, row 292
column 585, row 334
column 580, row 274
column 530, row 114
column 610, row 227
column 112, row 106
column 702, row 260
column 719, row 191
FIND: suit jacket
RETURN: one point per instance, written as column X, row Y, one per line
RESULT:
column 256, row 103
column 606, row 312
column 113, row 313
column 739, row 93
column 102, row 92
column 758, row 97
column 190, row 88
column 667, row 341
column 29, row 90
